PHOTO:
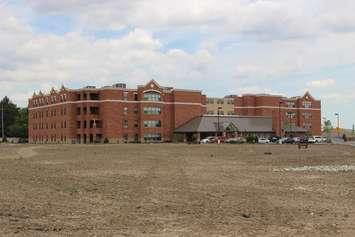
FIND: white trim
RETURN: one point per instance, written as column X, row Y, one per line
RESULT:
column 275, row 107
column 152, row 90
column 117, row 101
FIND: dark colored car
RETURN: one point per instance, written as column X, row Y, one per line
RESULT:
column 289, row 140
column 274, row 139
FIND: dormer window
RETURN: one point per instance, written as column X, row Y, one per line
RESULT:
column 152, row 96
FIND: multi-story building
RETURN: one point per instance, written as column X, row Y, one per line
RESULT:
column 223, row 106
column 295, row 115
column 112, row 114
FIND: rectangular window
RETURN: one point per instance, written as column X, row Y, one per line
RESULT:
column 94, row 96
column 78, row 111
column 152, row 96
column 125, row 110
column 307, row 115
column 290, row 115
column 307, row 125
column 210, row 112
column 94, row 110
column 136, row 124
column 152, row 137
column 152, row 110
column 152, row 124
column 135, row 96
column 125, row 137
column 230, row 112
column 125, row 95
column 290, row 104
column 307, row 104
column 78, row 124
column 125, row 123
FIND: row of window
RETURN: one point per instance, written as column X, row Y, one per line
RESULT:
column 49, row 113
column 40, row 126
column 219, row 101
column 89, row 124
column 51, row 138
column 49, row 100
column 211, row 112
column 306, row 115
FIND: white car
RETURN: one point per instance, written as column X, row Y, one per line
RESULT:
column 318, row 139
column 311, row 140
column 206, row 140
column 263, row 141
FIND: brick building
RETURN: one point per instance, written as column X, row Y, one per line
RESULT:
column 291, row 116
column 113, row 114
column 225, row 105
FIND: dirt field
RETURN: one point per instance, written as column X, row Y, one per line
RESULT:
column 177, row 190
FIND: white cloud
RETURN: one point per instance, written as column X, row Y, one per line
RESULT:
column 325, row 83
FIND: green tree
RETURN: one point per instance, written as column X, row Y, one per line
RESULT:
column 327, row 128
column 20, row 126
column 15, row 119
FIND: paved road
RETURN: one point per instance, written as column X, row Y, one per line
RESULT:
column 341, row 142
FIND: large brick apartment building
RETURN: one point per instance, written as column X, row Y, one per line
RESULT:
column 151, row 113
column 112, row 114
column 290, row 116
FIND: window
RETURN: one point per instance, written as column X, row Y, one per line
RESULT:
column 152, row 96
column 125, row 110
column 78, row 111
column 135, row 96
column 210, row 112
column 290, row 115
column 307, row 125
column 307, row 104
column 290, row 104
column 152, row 124
column 125, row 137
column 94, row 110
column 152, row 110
column 220, row 101
column 94, row 96
column 230, row 112
column 85, row 124
column 152, row 137
column 125, row 123
column 136, row 124
column 135, row 110
column 78, row 97
column 220, row 112
column 230, row 101
column 125, row 95
column 307, row 115
column 78, row 124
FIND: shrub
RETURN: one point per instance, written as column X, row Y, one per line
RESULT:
column 252, row 139
column 106, row 140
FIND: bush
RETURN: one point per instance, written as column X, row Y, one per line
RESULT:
column 106, row 140
column 252, row 139
column 345, row 138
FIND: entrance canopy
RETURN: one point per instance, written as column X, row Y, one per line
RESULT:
column 209, row 124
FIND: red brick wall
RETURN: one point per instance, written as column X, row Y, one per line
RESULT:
column 266, row 105
column 177, row 107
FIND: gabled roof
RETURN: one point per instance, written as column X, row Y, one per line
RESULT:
column 210, row 124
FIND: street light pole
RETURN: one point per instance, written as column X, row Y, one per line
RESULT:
column 2, row 122
column 338, row 123
column 280, row 129
column 218, row 127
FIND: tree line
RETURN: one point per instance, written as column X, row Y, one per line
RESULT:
column 15, row 119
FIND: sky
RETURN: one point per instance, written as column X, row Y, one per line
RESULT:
column 284, row 47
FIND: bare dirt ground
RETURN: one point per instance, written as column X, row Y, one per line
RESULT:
column 177, row 190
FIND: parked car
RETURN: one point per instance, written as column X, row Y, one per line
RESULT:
column 288, row 140
column 311, row 140
column 296, row 139
column 318, row 139
column 263, row 141
column 274, row 139
column 235, row 140
column 206, row 140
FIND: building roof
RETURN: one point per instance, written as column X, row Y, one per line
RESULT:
column 210, row 124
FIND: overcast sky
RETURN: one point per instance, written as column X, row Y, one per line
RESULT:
column 224, row 47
